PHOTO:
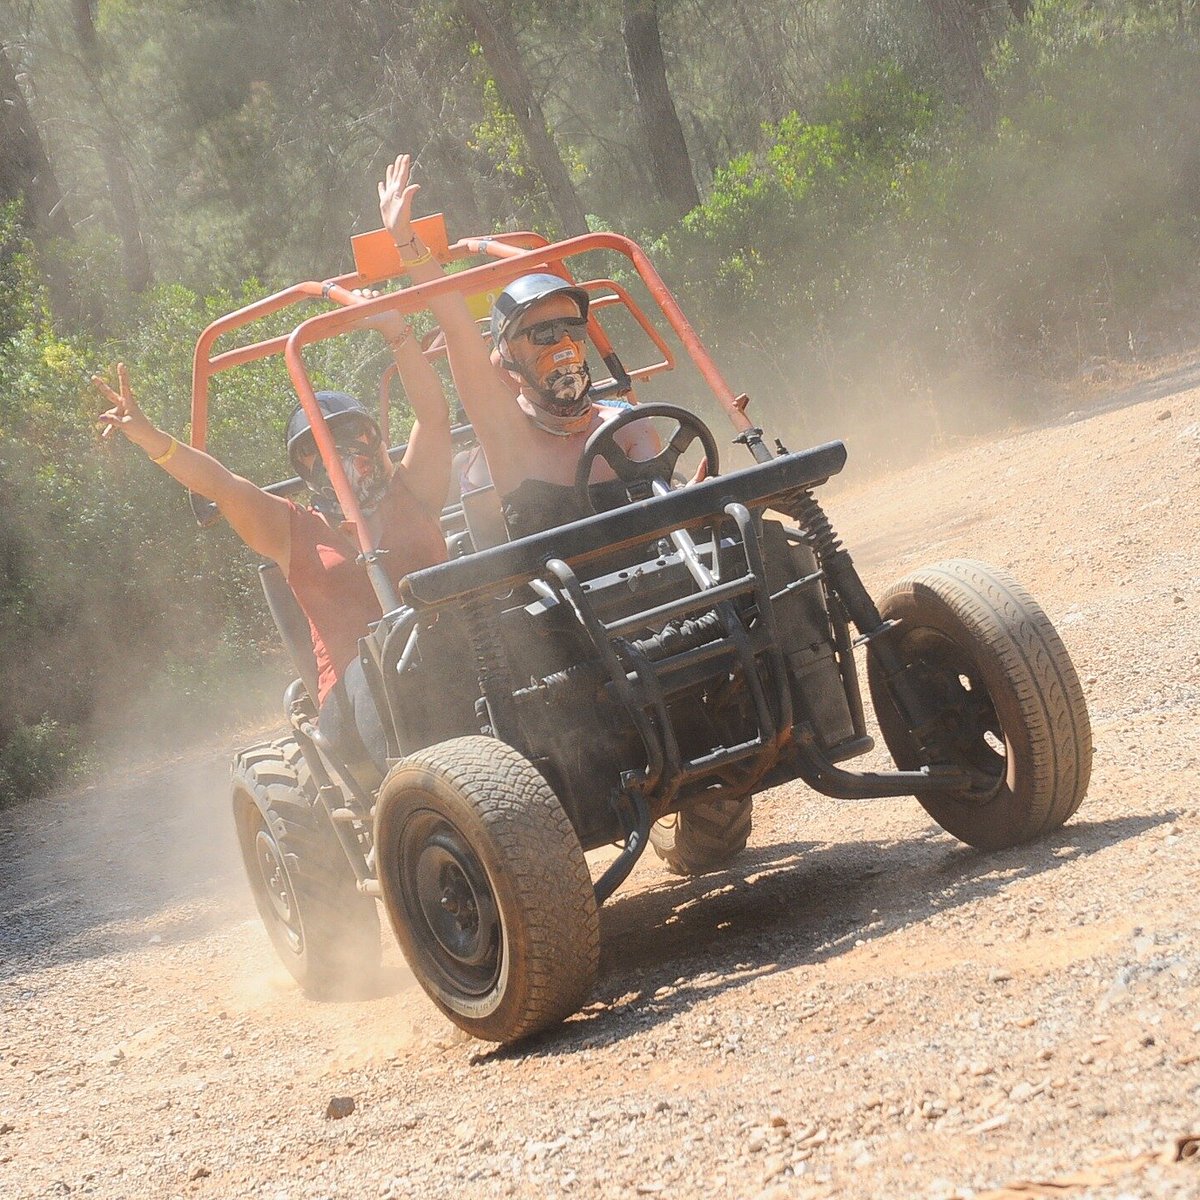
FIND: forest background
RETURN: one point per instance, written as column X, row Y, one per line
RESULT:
column 890, row 216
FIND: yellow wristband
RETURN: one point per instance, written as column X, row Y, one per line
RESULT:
column 161, row 460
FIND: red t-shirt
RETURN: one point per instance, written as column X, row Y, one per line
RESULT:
column 333, row 587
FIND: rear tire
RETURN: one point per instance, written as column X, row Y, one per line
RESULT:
column 485, row 884
column 707, row 835
column 1012, row 709
column 324, row 930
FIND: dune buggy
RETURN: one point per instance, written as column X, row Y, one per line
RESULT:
column 629, row 679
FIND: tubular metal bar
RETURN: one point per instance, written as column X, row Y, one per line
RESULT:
column 682, row 660
column 726, row 756
column 796, row 585
column 304, row 731
column 637, row 838
column 654, row 697
column 381, row 665
column 748, row 528
column 706, row 599
column 574, row 592
column 682, row 541
column 815, row 768
column 847, row 665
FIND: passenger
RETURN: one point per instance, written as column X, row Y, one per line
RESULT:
column 533, row 420
column 316, row 547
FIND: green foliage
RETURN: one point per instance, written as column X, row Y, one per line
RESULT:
column 116, row 611
column 864, row 251
column 855, row 261
column 34, row 758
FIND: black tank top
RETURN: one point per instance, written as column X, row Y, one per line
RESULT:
column 538, row 505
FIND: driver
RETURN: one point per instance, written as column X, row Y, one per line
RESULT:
column 533, row 442
column 316, row 547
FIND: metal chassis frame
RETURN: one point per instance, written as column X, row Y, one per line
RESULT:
column 635, row 680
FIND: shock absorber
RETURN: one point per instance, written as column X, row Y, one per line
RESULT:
column 491, row 667
column 836, row 562
column 843, row 578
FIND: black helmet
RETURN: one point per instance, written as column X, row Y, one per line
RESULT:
column 528, row 290
column 340, row 410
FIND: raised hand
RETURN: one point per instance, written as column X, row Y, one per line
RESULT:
column 392, row 325
column 396, row 198
column 125, row 415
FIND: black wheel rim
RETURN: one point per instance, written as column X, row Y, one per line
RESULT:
column 968, row 732
column 449, row 904
column 276, row 889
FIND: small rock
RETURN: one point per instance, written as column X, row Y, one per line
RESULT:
column 199, row 1172
column 1021, row 1092
column 756, row 1142
column 991, row 1123
column 227, row 1053
column 1164, row 415
column 999, row 975
column 6, row 1127
column 1025, row 1022
column 155, row 939
column 339, row 1107
column 778, row 1120
column 774, row 1166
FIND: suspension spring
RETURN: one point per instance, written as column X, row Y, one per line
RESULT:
column 836, row 563
column 806, row 509
column 491, row 666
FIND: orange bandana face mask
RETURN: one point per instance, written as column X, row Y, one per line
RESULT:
column 560, row 380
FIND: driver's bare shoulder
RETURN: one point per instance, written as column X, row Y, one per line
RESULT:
column 638, row 438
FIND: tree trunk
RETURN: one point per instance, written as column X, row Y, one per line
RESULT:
column 25, row 171
column 961, row 29
column 669, row 161
column 498, row 41
column 1020, row 9
column 112, row 155
column 775, row 96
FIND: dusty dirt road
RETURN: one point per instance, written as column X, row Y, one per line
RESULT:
column 862, row 1008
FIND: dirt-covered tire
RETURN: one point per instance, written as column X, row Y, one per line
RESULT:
column 486, row 887
column 325, row 931
column 1012, row 709
column 707, row 835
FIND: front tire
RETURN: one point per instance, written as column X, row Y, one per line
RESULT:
column 706, row 835
column 485, row 884
column 1010, row 707
column 324, row 930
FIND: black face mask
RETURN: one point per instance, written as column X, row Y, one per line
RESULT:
column 366, row 468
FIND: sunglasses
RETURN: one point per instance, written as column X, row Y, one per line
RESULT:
column 547, row 333
column 311, row 465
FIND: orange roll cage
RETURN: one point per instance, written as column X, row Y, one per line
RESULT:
column 377, row 260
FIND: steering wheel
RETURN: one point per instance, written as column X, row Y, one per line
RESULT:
column 603, row 444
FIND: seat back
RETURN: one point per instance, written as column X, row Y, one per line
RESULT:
column 292, row 625
column 485, row 519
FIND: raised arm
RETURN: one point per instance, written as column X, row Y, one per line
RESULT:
column 262, row 521
column 426, row 462
column 488, row 402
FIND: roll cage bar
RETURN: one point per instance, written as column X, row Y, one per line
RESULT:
column 378, row 260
